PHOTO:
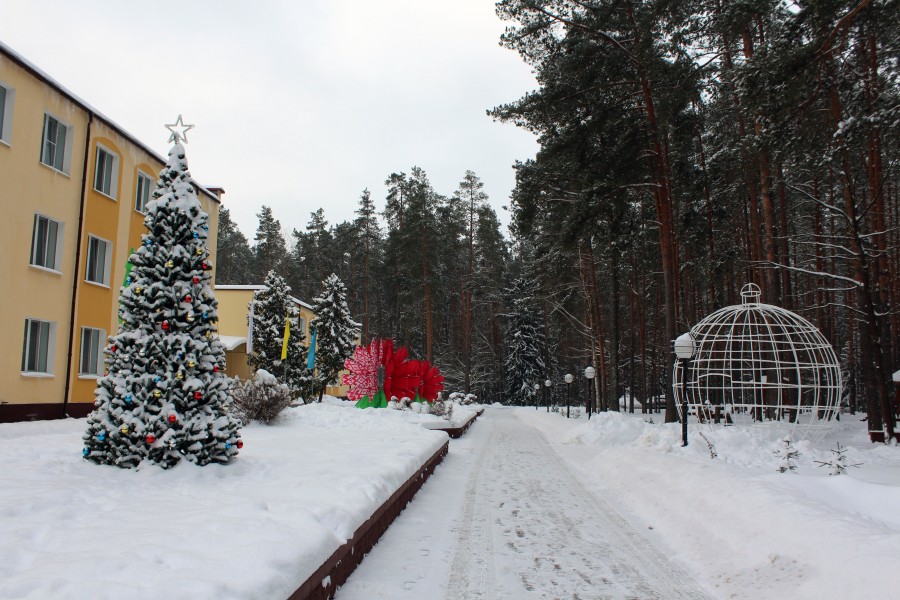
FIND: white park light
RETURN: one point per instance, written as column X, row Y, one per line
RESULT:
column 569, row 378
column 590, row 372
column 547, row 383
column 685, row 346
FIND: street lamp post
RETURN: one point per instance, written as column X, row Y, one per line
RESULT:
column 589, row 375
column 569, row 380
column 537, row 389
column 547, row 384
column 684, row 351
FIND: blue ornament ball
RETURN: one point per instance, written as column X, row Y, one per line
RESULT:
column 196, row 235
column 85, row 452
column 128, row 399
column 227, row 446
column 157, row 379
column 128, row 281
column 148, row 243
column 101, row 436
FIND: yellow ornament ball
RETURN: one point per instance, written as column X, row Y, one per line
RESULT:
column 138, row 290
column 191, row 364
column 190, row 318
column 124, row 429
column 199, row 251
column 170, row 264
column 157, row 393
column 209, row 334
column 178, row 375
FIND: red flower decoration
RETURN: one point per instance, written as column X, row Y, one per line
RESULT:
column 430, row 380
column 399, row 374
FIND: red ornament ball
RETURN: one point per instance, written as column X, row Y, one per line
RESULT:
column 197, row 395
column 165, row 325
column 196, row 279
column 216, row 369
column 240, row 443
column 204, row 266
column 112, row 348
column 187, row 298
column 172, row 418
column 151, row 439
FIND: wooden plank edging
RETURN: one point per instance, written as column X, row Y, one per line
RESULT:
column 335, row 571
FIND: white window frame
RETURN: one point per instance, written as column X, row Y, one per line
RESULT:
column 39, row 253
column 95, row 339
column 59, row 162
column 40, row 366
column 140, row 201
column 107, row 182
column 6, row 113
column 91, row 260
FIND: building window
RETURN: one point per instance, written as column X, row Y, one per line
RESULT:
column 55, row 148
column 7, row 97
column 98, row 260
column 37, row 352
column 91, row 351
column 46, row 243
column 106, row 172
column 144, row 190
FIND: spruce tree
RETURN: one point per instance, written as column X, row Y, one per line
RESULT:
column 336, row 331
column 165, row 395
column 524, row 357
column 271, row 309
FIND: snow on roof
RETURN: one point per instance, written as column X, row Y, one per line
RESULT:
column 232, row 341
column 43, row 76
column 260, row 287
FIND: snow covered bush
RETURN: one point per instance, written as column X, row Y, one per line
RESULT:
column 260, row 399
column 443, row 409
column 787, row 456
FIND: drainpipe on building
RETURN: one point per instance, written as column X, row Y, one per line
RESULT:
column 84, row 175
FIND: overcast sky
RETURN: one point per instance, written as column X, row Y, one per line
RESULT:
column 297, row 104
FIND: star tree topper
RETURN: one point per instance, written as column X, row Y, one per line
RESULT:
column 179, row 131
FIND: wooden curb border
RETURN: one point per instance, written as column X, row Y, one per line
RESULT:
column 457, row 432
column 335, row 571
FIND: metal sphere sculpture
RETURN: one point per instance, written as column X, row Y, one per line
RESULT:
column 759, row 364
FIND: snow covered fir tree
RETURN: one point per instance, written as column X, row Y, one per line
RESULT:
column 524, row 358
column 165, row 396
column 335, row 332
column 272, row 311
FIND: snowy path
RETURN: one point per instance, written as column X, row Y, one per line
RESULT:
column 504, row 518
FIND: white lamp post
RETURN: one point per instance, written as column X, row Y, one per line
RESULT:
column 569, row 379
column 547, row 384
column 589, row 375
column 537, row 389
column 684, row 350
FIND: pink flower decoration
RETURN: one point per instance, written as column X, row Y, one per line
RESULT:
column 363, row 375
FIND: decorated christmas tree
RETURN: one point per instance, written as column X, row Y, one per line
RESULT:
column 275, row 313
column 335, row 331
column 165, row 395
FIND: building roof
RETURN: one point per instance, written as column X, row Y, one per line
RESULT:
column 41, row 75
column 255, row 288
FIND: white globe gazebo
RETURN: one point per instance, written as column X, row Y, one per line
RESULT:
column 761, row 365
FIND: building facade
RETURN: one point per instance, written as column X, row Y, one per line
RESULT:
column 73, row 188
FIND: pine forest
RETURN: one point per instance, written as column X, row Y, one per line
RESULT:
column 686, row 148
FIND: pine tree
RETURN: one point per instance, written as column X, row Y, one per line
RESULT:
column 234, row 258
column 271, row 308
column 524, row 357
column 336, row 331
column 165, row 395
column 270, row 247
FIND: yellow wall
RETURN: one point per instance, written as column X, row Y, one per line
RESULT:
column 27, row 187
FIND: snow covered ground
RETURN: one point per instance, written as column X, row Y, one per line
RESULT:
column 732, row 525
column 526, row 505
column 256, row 528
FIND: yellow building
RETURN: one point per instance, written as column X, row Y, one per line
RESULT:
column 234, row 308
column 73, row 186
